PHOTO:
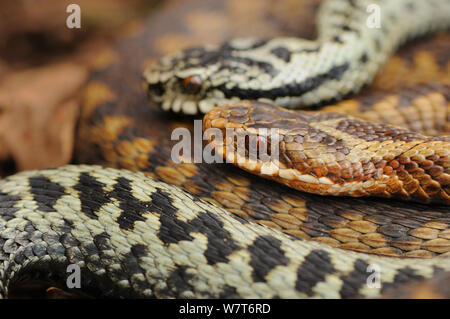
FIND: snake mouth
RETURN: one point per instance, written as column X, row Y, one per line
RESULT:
column 190, row 105
column 170, row 97
column 169, row 94
column 177, row 104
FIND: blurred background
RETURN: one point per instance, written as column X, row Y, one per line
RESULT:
column 43, row 65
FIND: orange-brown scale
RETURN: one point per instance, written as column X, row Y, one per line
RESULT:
column 403, row 107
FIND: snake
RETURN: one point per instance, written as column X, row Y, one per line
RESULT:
column 134, row 235
column 292, row 72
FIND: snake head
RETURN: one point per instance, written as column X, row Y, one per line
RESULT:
column 198, row 79
column 184, row 81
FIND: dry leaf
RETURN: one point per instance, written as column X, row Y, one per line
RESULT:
column 38, row 112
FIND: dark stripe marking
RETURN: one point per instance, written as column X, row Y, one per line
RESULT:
column 178, row 282
column 403, row 276
column 226, row 60
column 293, row 89
column 7, row 209
column 266, row 254
column 173, row 230
column 220, row 242
column 91, row 194
column 282, row 53
column 45, row 192
column 364, row 58
column 355, row 280
column 132, row 208
column 313, row 270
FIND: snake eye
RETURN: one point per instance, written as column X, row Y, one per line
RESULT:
column 192, row 84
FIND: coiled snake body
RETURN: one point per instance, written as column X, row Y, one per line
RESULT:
column 133, row 235
column 145, row 238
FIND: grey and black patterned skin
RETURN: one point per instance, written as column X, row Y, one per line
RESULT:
column 293, row 72
column 134, row 236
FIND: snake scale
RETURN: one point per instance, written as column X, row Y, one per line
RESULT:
column 136, row 236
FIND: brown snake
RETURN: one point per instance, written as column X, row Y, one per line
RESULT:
column 334, row 154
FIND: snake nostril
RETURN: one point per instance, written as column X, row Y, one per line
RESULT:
column 156, row 89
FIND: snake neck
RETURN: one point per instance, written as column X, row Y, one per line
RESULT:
column 354, row 40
